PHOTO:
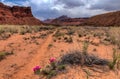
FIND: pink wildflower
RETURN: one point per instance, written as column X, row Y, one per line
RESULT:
column 52, row 60
column 36, row 68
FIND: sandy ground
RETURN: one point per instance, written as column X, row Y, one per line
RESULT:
column 28, row 53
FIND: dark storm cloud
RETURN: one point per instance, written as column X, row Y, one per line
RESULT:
column 70, row 3
column 107, row 5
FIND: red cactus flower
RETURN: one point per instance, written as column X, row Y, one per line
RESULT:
column 52, row 60
column 36, row 68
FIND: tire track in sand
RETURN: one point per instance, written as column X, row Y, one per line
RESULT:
column 26, row 72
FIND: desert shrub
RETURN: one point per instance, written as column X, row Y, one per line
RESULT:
column 113, row 40
column 33, row 37
column 87, row 73
column 2, row 30
column 35, row 28
column 79, row 35
column 70, row 32
column 47, row 28
column 12, row 30
column 59, row 38
column 107, row 39
column 4, row 54
column 9, row 29
column 28, row 30
column 90, row 60
column 118, row 63
column 74, row 57
column 54, row 40
column 43, row 36
column 114, row 34
column 69, row 40
column 5, row 36
column 85, row 47
column 65, row 38
column 94, row 49
column 79, row 58
column 98, row 34
column 61, row 67
column 71, row 58
column 115, row 60
column 50, row 45
column 22, row 31
column 50, row 70
column 49, row 73
column 26, row 38
column 58, row 34
column 37, row 43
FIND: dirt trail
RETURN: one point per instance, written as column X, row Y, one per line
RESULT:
column 26, row 72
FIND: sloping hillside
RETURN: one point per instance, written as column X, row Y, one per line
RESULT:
column 107, row 19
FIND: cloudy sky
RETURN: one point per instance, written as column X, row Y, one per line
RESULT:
column 44, row 9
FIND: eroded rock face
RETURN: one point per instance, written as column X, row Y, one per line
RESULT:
column 17, row 15
column 21, row 11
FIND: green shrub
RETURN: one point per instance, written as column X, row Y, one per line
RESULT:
column 52, row 69
column 2, row 30
column 78, row 58
column 69, row 40
column 4, row 54
column 113, row 62
column 61, row 67
column 50, row 45
column 70, row 32
column 87, row 73
column 22, row 32
column 79, row 35
column 85, row 46
column 58, row 34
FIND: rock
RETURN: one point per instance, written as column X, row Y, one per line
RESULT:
column 17, row 15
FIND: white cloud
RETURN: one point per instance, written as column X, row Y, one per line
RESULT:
column 108, row 5
column 44, row 9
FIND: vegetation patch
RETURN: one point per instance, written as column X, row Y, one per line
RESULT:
column 50, row 70
column 4, row 54
column 79, row 58
column 114, row 63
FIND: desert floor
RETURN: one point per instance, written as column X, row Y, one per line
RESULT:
column 37, row 45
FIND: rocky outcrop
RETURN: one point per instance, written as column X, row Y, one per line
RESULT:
column 107, row 19
column 17, row 15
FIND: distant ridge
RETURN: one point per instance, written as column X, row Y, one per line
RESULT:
column 107, row 19
column 65, row 20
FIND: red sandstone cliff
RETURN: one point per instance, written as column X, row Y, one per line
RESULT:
column 17, row 15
